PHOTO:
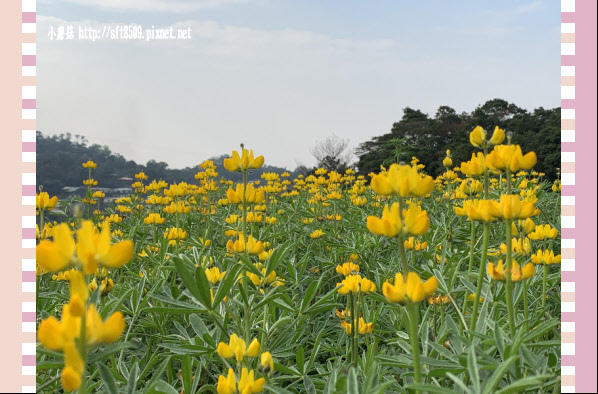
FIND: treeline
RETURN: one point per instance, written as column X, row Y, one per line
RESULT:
column 426, row 138
column 59, row 159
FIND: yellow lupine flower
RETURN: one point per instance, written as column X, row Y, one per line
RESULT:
column 543, row 232
column 402, row 180
column 546, row 257
column 477, row 137
column 476, row 166
column 73, row 368
column 43, row 202
column 363, row 327
column 517, row 273
column 90, row 164
column 227, row 385
column 510, row 157
column 79, row 293
column 251, row 245
column 248, row 194
column 316, row 234
column 347, row 269
column 154, row 218
column 266, row 363
column 248, row 384
column 439, row 300
column 356, row 284
column 236, row 348
column 483, row 210
column 245, row 161
column 56, row 255
column 94, row 248
column 511, row 207
column 413, row 289
column 416, row 221
column 518, row 246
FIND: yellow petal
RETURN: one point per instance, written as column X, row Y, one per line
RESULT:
column 118, row 254
column 50, row 335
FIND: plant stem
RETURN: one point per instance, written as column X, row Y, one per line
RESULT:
column 476, row 300
column 471, row 243
column 413, row 324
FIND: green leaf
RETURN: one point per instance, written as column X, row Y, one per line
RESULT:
column 472, row 368
column 300, row 358
column 309, row 295
column 331, row 383
column 186, row 372
column 132, row 381
column 309, row 385
column 459, row 383
column 524, row 383
column 203, row 286
column 156, row 375
column 107, row 378
column 426, row 388
column 496, row 377
column 189, row 281
column 277, row 256
column 352, row 385
column 224, row 287
column 161, row 387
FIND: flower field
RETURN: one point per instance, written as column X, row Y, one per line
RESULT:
column 328, row 283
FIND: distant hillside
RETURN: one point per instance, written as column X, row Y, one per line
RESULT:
column 59, row 159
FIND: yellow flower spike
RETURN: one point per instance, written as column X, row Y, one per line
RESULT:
column 413, row 289
column 316, row 234
column 72, row 358
column 545, row 257
column 266, row 363
column 389, row 225
column 356, row 284
column 347, row 269
column 254, row 348
column 483, row 210
column 244, row 161
column 79, row 293
column 70, row 379
column 227, row 385
column 396, row 292
column 403, row 180
column 517, row 274
column 50, row 334
column 214, row 275
column 416, row 221
column 498, row 136
column 53, row 256
column 44, row 202
column 543, row 232
column 224, row 350
column 476, row 166
column 364, row 328
column 106, row 287
column 511, row 207
column 99, row 331
column 477, row 137
column 510, row 157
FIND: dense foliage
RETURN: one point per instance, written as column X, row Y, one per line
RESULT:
column 332, row 283
column 417, row 134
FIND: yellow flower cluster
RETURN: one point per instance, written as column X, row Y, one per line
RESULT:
column 413, row 290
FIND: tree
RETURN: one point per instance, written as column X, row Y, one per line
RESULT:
column 333, row 154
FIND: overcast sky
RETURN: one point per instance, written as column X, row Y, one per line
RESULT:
column 280, row 75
